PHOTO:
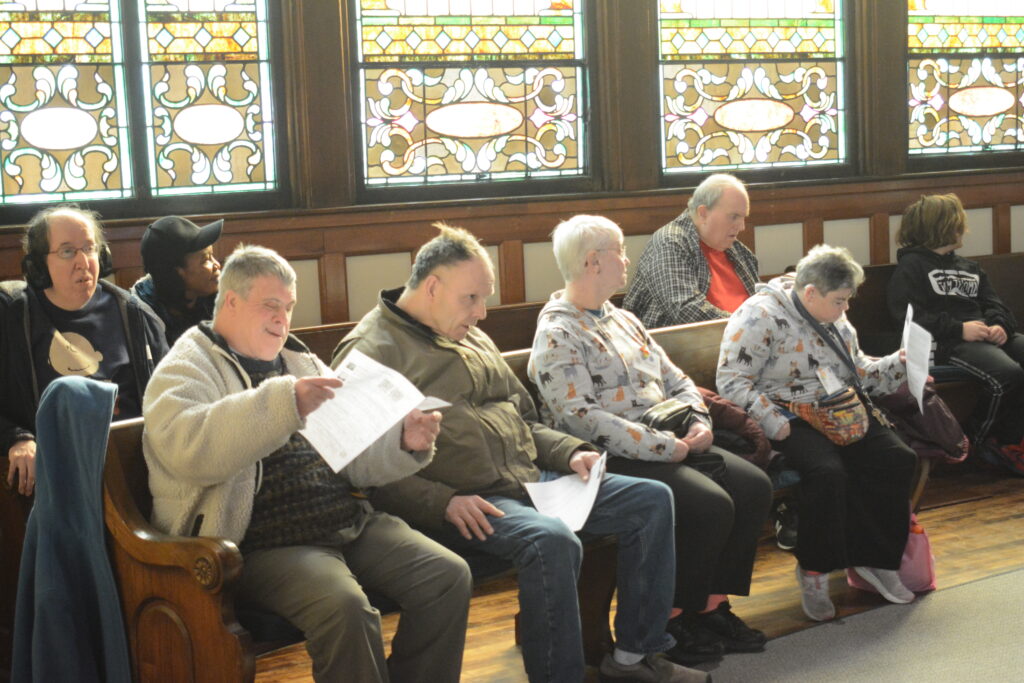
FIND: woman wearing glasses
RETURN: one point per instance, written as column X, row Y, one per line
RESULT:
column 600, row 376
column 64, row 320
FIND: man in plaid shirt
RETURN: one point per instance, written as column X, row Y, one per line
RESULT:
column 693, row 269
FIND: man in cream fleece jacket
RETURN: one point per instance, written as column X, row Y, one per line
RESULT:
column 226, row 459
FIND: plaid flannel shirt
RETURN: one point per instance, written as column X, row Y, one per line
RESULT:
column 672, row 278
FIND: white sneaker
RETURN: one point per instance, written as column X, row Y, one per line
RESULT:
column 814, row 595
column 887, row 582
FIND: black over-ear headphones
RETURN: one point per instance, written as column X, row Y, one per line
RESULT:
column 37, row 275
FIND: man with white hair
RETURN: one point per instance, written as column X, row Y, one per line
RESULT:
column 694, row 269
column 223, row 413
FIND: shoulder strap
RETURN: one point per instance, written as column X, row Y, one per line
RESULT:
column 829, row 339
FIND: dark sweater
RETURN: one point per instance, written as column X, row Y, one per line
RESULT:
column 946, row 291
column 22, row 388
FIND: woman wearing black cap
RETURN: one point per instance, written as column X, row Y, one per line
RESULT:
column 183, row 273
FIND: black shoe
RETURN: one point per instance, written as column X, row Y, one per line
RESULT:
column 785, row 524
column 694, row 645
column 731, row 631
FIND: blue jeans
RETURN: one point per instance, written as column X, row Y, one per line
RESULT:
column 547, row 556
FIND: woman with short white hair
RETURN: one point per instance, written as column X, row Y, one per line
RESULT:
column 598, row 373
column 790, row 357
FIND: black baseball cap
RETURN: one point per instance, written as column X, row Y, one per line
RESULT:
column 172, row 237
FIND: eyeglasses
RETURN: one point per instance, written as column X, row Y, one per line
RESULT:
column 621, row 251
column 66, row 253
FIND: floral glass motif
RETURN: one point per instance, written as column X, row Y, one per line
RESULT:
column 751, row 84
column 209, row 113
column 468, row 90
column 965, row 76
column 63, row 132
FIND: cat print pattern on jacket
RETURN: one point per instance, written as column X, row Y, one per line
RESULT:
column 597, row 372
column 771, row 354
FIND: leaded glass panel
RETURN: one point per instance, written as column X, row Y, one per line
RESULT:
column 965, row 76
column 751, row 84
column 209, row 113
column 465, row 90
column 63, row 129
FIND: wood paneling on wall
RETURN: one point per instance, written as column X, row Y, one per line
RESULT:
column 330, row 236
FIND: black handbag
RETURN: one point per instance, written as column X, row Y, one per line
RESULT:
column 673, row 415
column 670, row 415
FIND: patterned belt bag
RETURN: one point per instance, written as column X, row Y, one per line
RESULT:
column 841, row 416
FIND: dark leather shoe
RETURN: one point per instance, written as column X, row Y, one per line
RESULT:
column 735, row 635
column 694, row 645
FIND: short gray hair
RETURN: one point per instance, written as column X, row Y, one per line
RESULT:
column 829, row 268
column 573, row 238
column 247, row 263
column 453, row 245
column 710, row 191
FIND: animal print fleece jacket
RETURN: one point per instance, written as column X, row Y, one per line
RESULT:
column 771, row 353
column 597, row 374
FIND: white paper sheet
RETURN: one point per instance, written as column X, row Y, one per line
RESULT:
column 917, row 342
column 371, row 401
column 569, row 498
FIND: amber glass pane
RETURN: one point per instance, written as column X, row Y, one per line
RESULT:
column 460, row 90
column 725, row 114
column 748, row 84
column 209, row 111
column 62, row 103
column 965, row 75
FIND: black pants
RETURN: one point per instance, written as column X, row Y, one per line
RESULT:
column 854, row 500
column 716, row 533
column 998, row 368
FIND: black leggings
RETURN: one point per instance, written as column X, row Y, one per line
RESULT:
column 716, row 533
column 1001, row 410
column 854, row 500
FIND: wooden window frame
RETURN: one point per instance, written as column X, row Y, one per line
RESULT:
column 144, row 203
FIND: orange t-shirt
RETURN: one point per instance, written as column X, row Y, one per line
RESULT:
column 726, row 289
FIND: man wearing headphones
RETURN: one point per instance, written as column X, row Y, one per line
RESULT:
column 64, row 320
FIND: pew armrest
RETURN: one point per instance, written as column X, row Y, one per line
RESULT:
column 177, row 593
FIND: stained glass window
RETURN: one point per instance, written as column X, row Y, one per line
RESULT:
column 751, row 83
column 67, row 74
column 63, row 120
column 965, row 75
column 469, row 90
column 206, row 72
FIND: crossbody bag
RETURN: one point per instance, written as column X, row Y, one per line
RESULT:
column 842, row 416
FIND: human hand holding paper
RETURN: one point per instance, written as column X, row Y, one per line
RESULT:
column 570, row 498
column 371, row 401
column 917, row 346
column 582, row 462
column 419, row 429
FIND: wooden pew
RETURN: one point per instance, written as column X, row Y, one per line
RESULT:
column 14, row 509
column 510, row 326
column 177, row 593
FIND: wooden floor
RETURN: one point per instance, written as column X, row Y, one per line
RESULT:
column 974, row 518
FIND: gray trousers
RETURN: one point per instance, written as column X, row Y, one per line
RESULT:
column 320, row 591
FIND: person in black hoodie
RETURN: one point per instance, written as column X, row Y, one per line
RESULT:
column 953, row 299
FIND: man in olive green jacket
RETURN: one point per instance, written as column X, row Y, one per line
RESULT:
column 491, row 443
